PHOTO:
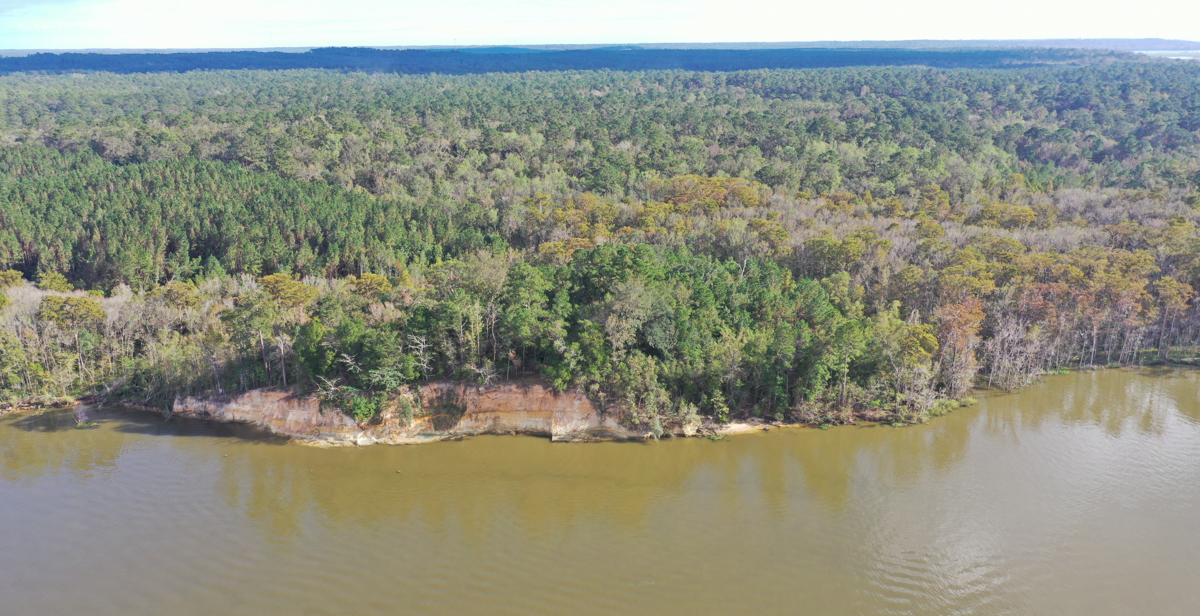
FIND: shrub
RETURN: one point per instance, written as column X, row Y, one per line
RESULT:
column 362, row 408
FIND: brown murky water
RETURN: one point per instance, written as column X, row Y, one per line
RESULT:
column 1080, row 495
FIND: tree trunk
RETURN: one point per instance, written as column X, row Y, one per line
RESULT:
column 283, row 363
column 263, row 346
column 78, row 354
column 217, row 374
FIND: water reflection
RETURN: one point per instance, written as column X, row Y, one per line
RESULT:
column 60, row 446
column 544, row 483
column 1143, row 400
column 1020, row 504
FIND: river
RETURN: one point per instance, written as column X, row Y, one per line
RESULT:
column 1077, row 495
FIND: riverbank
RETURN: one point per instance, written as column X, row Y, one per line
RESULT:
column 447, row 410
column 451, row 409
column 434, row 412
column 37, row 404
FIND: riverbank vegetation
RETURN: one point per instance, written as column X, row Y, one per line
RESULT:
column 803, row 245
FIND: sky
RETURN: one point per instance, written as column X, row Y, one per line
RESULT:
column 83, row 24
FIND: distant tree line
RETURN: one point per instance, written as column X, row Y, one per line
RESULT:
column 458, row 62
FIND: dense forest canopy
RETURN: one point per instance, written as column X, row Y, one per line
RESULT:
column 804, row 244
column 884, row 130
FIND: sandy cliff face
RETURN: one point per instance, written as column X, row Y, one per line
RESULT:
column 279, row 411
column 449, row 409
column 521, row 408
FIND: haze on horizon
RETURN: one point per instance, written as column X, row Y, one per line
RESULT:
column 150, row 24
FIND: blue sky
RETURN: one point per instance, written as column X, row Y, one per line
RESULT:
column 77, row 24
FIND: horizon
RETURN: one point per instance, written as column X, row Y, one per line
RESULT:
column 1157, row 44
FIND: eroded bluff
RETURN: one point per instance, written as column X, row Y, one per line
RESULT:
column 446, row 410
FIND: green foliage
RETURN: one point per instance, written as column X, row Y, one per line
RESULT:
column 56, row 282
column 370, row 286
column 821, row 245
column 12, row 361
column 942, row 407
column 407, row 406
column 251, row 318
column 363, row 408
column 905, row 142
column 287, row 292
column 314, row 354
column 178, row 294
column 394, row 373
column 10, row 278
column 69, row 312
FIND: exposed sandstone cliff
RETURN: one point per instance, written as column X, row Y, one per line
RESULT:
column 448, row 409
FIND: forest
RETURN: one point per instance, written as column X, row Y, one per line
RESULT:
column 810, row 245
